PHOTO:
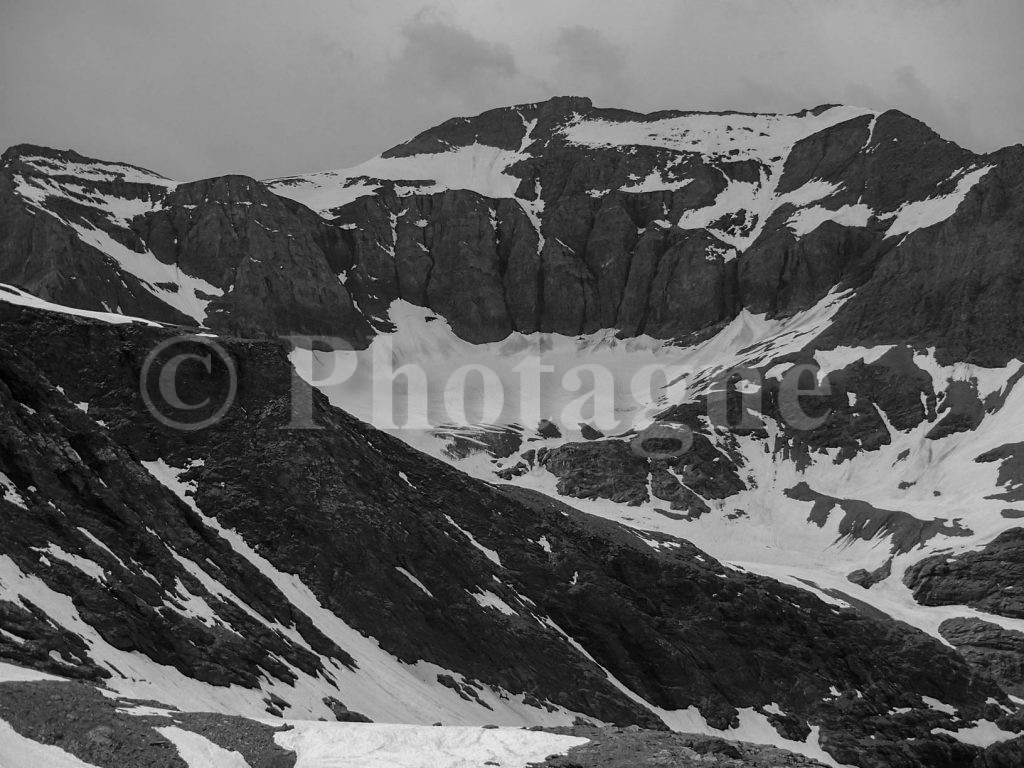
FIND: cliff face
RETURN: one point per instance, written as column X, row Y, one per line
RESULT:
column 557, row 217
column 224, row 253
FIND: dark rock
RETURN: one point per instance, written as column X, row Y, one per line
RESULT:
column 990, row 579
column 993, row 650
column 868, row 579
column 343, row 714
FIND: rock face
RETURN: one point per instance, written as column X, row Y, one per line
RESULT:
column 610, row 469
column 46, row 255
column 235, row 234
column 990, row 579
column 989, row 647
column 112, row 237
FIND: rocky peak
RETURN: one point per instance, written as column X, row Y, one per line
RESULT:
column 225, row 190
column 504, row 128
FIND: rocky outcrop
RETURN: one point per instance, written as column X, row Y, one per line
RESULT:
column 990, row 579
column 279, row 267
column 266, row 266
column 45, row 255
column 72, row 494
column 995, row 651
column 951, row 284
column 614, row 470
column 105, row 731
column 636, row 748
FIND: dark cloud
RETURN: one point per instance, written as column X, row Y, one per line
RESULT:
column 440, row 71
column 448, row 57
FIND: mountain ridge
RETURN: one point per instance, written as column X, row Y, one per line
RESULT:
column 701, row 237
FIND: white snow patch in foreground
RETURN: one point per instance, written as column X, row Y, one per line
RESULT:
column 17, row 751
column 200, row 752
column 939, row 706
column 11, row 673
column 361, row 745
column 86, row 566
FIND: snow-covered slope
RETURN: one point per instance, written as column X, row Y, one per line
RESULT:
column 764, row 141
column 889, row 505
column 490, row 171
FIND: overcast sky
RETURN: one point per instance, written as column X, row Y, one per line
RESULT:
column 195, row 88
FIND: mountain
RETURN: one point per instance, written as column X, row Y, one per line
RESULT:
column 554, row 217
column 843, row 590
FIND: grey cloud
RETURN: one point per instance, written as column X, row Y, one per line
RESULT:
column 591, row 63
column 191, row 88
column 451, row 58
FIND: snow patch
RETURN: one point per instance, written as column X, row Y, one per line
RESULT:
column 88, row 567
column 910, row 217
column 11, row 295
column 806, row 220
column 490, row 554
column 983, row 733
column 478, row 168
column 362, row 745
column 199, row 752
column 9, row 492
column 189, row 295
column 414, row 580
column 730, row 135
column 488, row 599
column 18, row 750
